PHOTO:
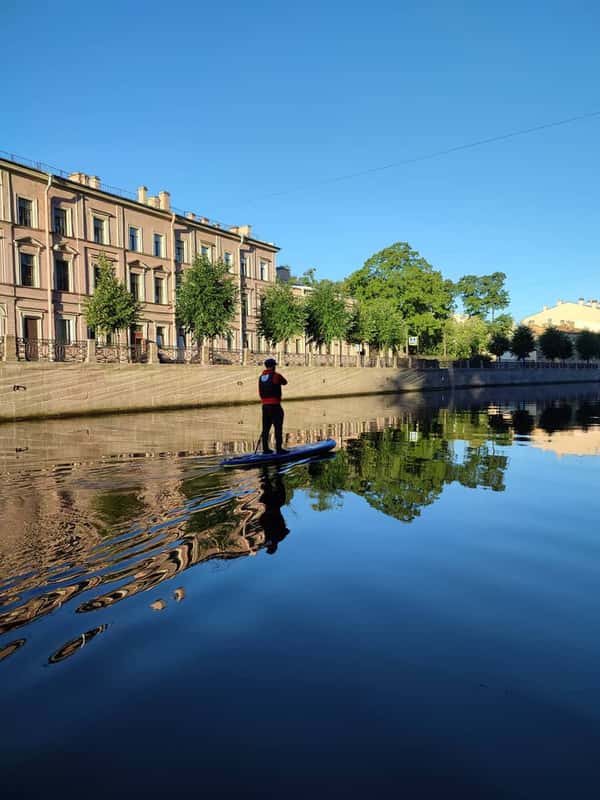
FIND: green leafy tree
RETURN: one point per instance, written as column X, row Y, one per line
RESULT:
column 423, row 298
column 326, row 315
column 379, row 323
column 483, row 294
column 588, row 345
column 522, row 342
column 206, row 299
column 555, row 344
column 499, row 344
column 502, row 324
column 112, row 307
column 281, row 314
column 466, row 339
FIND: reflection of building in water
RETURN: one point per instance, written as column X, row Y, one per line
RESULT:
column 568, row 443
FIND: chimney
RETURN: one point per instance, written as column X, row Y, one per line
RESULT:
column 190, row 215
column 245, row 230
column 94, row 181
column 153, row 202
column 545, row 308
column 581, row 301
column 204, row 220
column 234, row 229
column 217, row 224
column 164, row 200
column 79, row 177
column 142, row 193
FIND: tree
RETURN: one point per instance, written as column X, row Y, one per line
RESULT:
column 555, row 344
column 588, row 345
column 466, row 339
column 499, row 344
column 112, row 307
column 281, row 314
column 423, row 298
column 326, row 315
column 379, row 323
column 206, row 299
column 483, row 294
column 522, row 342
column 503, row 324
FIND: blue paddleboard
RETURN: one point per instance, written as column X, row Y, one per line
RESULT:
column 256, row 459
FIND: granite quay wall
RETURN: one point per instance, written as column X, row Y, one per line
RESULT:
column 45, row 390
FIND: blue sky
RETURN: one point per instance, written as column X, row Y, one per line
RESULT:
column 245, row 112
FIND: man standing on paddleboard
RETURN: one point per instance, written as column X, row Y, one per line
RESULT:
column 269, row 389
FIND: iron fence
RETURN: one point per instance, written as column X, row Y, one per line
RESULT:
column 217, row 356
column 51, row 350
column 179, row 355
column 293, row 359
column 323, row 360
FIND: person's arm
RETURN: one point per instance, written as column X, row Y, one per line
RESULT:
column 280, row 379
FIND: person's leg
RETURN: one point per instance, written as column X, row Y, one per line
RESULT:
column 278, row 423
column 266, row 427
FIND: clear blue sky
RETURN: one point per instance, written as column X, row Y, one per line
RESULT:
column 244, row 111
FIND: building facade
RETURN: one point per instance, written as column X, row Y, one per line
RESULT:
column 567, row 316
column 53, row 228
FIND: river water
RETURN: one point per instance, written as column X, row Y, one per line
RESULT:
column 416, row 616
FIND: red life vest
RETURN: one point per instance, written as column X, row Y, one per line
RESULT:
column 269, row 388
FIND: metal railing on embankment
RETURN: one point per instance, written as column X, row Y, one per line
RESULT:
column 144, row 352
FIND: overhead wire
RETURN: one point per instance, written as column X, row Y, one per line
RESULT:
column 438, row 153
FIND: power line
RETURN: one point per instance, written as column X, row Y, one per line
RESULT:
column 439, row 153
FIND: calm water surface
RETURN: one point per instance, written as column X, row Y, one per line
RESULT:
column 417, row 616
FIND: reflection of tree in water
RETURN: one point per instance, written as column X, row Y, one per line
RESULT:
column 587, row 414
column 556, row 418
column 401, row 470
column 114, row 508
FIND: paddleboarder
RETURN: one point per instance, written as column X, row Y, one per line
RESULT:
column 269, row 389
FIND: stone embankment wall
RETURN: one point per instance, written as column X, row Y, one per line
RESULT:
column 33, row 391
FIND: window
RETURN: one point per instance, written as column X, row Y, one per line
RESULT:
column 63, row 331
column 134, row 239
column 96, row 275
column 61, row 271
column 134, row 285
column 244, row 264
column 160, row 335
column 60, row 221
column 159, row 245
column 264, row 270
column 25, row 212
column 100, row 230
column 27, row 270
column 159, row 290
column 179, row 248
column 205, row 250
column 228, row 259
column 178, row 280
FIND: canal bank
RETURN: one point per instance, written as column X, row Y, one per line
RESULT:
column 46, row 390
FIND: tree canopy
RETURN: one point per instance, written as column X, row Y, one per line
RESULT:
column 112, row 307
column 483, row 294
column 555, row 344
column 466, row 339
column 379, row 323
column 281, row 314
column 522, row 342
column 422, row 296
column 206, row 299
column 588, row 345
column 499, row 344
column 326, row 315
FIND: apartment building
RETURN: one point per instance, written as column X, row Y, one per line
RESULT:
column 53, row 228
column 567, row 316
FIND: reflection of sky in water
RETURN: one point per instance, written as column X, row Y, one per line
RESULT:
column 489, row 588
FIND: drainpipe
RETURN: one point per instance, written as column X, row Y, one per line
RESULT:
column 175, row 343
column 49, row 261
column 241, row 300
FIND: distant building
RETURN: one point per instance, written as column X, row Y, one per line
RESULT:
column 567, row 316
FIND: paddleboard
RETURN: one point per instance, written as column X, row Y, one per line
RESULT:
column 294, row 453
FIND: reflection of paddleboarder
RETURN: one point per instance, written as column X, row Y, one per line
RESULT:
column 271, row 520
column 269, row 389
